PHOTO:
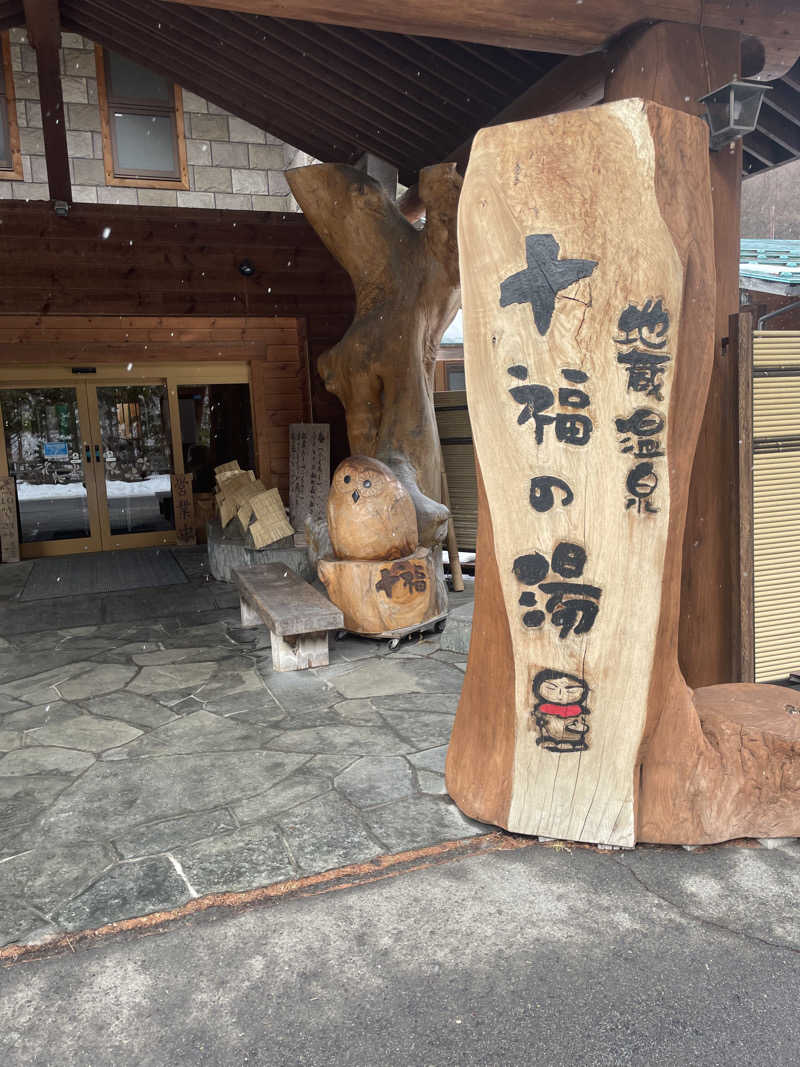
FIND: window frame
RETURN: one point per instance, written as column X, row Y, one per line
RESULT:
column 9, row 97
column 131, row 181
column 452, row 365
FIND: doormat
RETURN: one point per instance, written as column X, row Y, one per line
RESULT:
column 102, row 572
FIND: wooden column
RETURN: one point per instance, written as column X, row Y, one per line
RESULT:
column 673, row 64
column 407, row 292
column 44, row 33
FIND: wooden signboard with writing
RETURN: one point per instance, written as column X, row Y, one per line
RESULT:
column 183, row 504
column 9, row 530
column 309, row 471
column 380, row 597
column 588, row 279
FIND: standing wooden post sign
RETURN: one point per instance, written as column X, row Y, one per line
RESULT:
column 587, row 278
column 183, row 504
column 309, row 471
column 9, row 531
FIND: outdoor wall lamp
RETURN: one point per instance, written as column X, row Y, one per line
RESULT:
column 732, row 110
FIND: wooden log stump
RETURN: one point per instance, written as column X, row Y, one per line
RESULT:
column 587, row 272
column 380, row 597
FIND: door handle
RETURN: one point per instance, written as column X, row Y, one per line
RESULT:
column 88, row 453
column 97, row 453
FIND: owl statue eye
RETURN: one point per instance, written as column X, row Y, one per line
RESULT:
column 347, row 479
column 367, row 483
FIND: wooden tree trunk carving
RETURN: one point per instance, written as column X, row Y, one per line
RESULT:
column 407, row 292
column 588, row 276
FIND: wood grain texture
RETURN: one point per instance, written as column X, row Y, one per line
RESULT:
column 183, row 504
column 647, row 236
column 549, row 25
column 370, row 512
column 286, row 603
column 43, row 25
column 739, row 776
column 406, row 283
column 15, row 173
column 480, row 757
column 379, row 597
column 674, row 65
column 741, row 334
column 9, row 527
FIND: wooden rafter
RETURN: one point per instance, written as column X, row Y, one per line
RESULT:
column 547, row 25
column 577, row 81
column 44, row 33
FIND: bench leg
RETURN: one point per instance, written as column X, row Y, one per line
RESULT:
column 296, row 652
column 250, row 616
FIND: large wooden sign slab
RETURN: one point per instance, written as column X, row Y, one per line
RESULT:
column 586, row 266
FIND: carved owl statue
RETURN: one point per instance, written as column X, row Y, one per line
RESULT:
column 370, row 512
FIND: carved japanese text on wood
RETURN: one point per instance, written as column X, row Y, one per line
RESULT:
column 9, row 529
column 183, row 504
column 309, row 471
column 581, row 333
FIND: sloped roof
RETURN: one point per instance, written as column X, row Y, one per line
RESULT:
column 11, row 13
column 331, row 91
column 336, row 92
column 777, row 139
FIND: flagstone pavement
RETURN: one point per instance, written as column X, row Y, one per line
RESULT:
column 149, row 754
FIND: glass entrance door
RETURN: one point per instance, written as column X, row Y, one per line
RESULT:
column 92, row 465
column 133, row 463
column 47, row 442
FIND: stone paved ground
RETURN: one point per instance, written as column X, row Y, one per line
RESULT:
column 149, row 754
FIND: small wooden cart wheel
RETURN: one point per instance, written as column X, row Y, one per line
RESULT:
column 341, row 634
column 394, row 643
column 440, row 625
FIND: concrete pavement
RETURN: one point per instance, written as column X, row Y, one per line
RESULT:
column 542, row 955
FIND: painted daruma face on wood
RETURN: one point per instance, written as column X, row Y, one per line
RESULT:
column 370, row 512
column 560, row 711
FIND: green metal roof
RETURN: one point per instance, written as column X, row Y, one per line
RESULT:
column 770, row 260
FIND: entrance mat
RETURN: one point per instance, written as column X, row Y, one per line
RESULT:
column 102, row 572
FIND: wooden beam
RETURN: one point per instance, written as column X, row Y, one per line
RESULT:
column 741, row 349
column 786, row 132
column 547, row 25
column 43, row 23
column 673, row 65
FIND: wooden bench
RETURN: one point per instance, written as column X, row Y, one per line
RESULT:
column 297, row 615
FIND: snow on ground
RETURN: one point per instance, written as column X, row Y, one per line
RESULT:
column 158, row 483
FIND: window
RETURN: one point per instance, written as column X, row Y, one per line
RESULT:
column 449, row 370
column 455, row 375
column 142, row 119
column 10, row 158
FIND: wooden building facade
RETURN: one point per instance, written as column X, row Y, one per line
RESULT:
column 411, row 84
column 117, row 296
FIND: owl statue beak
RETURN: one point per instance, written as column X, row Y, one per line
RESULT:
column 356, row 496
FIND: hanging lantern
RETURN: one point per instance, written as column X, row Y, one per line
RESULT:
column 732, row 110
